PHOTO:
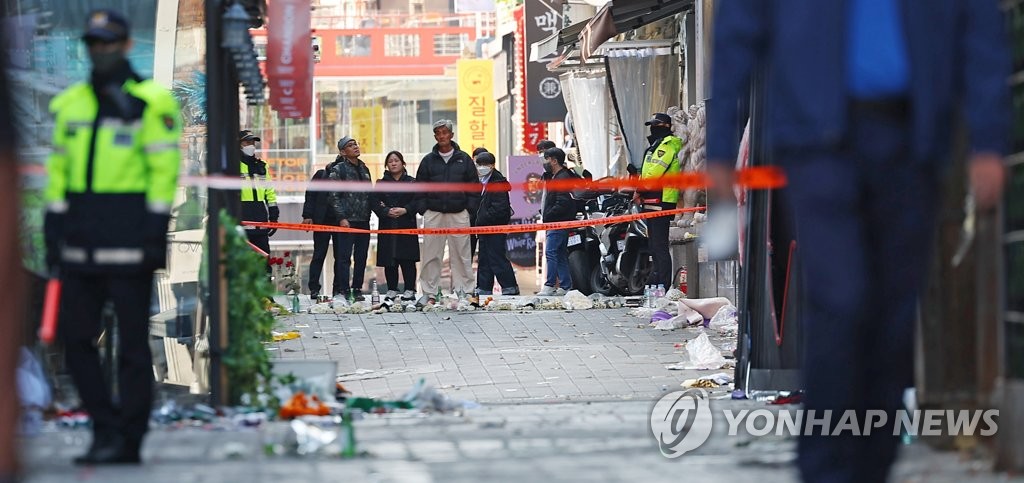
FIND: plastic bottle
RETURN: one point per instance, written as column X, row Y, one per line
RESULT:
column 660, row 292
column 647, row 296
column 375, row 295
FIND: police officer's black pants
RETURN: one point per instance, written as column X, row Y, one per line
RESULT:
column 261, row 239
column 322, row 240
column 657, row 230
column 82, row 300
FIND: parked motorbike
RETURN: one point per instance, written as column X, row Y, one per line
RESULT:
column 611, row 259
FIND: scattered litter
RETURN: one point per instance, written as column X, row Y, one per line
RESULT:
column 711, row 381
column 702, row 354
column 33, row 392
column 674, row 295
column 795, row 397
column 686, row 317
column 427, row 398
column 739, row 394
column 575, row 300
column 725, row 322
column 301, row 405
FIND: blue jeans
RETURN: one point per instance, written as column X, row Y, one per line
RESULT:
column 556, row 255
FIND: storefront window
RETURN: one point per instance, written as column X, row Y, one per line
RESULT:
column 383, row 115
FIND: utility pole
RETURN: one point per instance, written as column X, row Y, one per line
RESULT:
column 222, row 160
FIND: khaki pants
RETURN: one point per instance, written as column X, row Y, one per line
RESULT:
column 432, row 253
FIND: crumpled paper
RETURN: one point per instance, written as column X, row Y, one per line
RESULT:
column 575, row 300
column 711, row 381
column 701, row 354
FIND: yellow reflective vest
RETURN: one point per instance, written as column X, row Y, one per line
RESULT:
column 663, row 159
column 259, row 202
column 112, row 166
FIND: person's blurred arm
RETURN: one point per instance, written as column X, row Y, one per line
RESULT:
column 740, row 34
column 986, row 66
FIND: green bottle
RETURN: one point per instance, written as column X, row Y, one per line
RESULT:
column 351, row 296
column 349, row 450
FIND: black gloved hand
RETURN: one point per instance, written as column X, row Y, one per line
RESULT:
column 274, row 214
column 53, row 232
column 154, row 242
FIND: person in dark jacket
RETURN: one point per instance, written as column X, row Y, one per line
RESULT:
column 864, row 101
column 396, row 210
column 317, row 210
column 352, row 209
column 558, row 206
column 495, row 210
column 473, row 239
column 446, row 163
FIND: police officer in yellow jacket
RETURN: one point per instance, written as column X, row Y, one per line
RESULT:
column 113, row 174
column 661, row 158
column 259, row 202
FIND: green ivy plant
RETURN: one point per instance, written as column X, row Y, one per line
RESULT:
column 249, row 323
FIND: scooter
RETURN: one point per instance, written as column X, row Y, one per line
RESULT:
column 620, row 250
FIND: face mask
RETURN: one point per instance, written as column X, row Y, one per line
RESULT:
column 103, row 62
column 483, row 171
column 660, row 131
column 249, row 150
column 547, row 168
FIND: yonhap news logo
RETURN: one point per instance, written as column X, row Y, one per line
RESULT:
column 673, row 420
column 681, row 422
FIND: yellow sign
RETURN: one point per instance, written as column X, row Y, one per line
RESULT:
column 368, row 129
column 476, row 109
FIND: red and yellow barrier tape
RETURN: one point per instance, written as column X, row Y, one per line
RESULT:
column 479, row 230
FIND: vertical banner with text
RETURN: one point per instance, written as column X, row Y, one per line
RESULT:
column 522, row 247
column 476, row 107
column 544, row 103
column 290, row 58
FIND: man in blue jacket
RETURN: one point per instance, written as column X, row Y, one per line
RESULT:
column 860, row 101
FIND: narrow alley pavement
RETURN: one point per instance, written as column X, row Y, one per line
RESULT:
column 564, row 396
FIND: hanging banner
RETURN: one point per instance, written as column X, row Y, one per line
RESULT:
column 529, row 133
column 544, row 103
column 289, row 58
column 476, row 107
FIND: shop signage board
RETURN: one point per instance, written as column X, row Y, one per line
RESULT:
column 288, row 165
column 290, row 58
column 476, row 106
column 544, row 103
column 522, row 247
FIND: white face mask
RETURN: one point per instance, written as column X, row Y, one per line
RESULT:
column 249, row 150
column 483, row 171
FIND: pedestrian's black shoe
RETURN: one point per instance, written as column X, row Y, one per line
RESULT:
column 358, row 295
column 510, row 290
column 110, row 450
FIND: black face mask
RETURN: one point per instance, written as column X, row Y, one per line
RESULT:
column 106, row 62
column 547, row 167
column 660, row 131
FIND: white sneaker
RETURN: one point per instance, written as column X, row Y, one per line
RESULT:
column 339, row 301
column 391, row 294
column 408, row 295
column 548, row 291
column 560, row 292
